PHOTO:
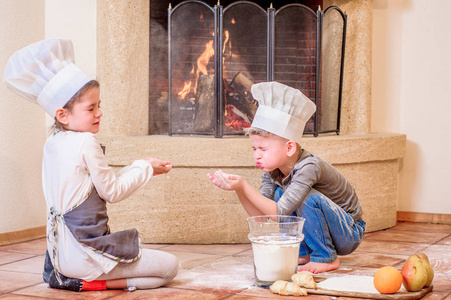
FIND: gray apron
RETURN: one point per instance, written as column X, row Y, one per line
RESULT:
column 88, row 223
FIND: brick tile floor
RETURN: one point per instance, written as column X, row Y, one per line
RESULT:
column 226, row 271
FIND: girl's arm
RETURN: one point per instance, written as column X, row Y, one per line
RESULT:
column 253, row 202
column 113, row 186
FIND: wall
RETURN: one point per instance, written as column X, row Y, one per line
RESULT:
column 77, row 22
column 22, row 125
column 411, row 64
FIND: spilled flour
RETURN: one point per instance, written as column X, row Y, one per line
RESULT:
column 349, row 283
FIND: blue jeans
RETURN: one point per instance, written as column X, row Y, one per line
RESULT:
column 328, row 230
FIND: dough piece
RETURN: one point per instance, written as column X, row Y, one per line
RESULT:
column 286, row 288
column 304, row 279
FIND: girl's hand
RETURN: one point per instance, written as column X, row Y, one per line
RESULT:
column 159, row 166
column 228, row 182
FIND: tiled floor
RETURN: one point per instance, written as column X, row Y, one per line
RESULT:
column 226, row 272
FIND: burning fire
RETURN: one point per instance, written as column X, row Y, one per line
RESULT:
column 234, row 118
column 204, row 58
column 182, row 94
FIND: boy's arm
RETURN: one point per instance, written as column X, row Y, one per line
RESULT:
column 253, row 202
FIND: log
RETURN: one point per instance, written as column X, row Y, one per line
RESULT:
column 240, row 80
column 239, row 95
column 205, row 103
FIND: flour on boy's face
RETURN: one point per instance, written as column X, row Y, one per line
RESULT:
column 270, row 152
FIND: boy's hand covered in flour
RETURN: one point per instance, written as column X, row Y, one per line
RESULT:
column 228, row 182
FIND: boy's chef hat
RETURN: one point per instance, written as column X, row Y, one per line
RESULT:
column 44, row 73
column 282, row 110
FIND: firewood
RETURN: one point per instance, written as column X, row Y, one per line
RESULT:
column 205, row 102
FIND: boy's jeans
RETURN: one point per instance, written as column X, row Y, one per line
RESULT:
column 329, row 231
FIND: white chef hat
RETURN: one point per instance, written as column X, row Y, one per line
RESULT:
column 44, row 73
column 282, row 110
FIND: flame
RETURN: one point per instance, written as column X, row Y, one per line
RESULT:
column 185, row 90
column 234, row 119
column 204, row 58
column 226, row 34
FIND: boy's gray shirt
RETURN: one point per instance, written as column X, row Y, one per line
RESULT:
column 309, row 172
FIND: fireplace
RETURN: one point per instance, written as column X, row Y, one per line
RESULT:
column 183, row 206
column 204, row 60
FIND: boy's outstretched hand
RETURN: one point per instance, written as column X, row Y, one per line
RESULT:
column 159, row 166
column 228, row 182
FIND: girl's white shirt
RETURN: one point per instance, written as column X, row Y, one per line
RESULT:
column 73, row 164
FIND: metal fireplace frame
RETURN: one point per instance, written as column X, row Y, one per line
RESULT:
column 271, row 15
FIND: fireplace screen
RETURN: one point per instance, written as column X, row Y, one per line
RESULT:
column 215, row 54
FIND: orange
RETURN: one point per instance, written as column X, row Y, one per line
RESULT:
column 387, row 280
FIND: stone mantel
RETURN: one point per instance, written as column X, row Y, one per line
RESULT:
column 233, row 151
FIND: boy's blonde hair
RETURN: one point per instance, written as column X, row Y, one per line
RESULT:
column 256, row 131
column 57, row 126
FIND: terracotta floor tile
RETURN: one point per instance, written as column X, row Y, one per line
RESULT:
column 437, row 296
column 228, row 275
column 155, row 246
column 445, row 241
column 11, row 281
column 170, row 293
column 189, row 260
column 439, row 258
column 36, row 247
column 441, row 282
column 8, row 257
column 18, row 297
column 211, row 249
column 424, row 227
column 407, row 236
column 247, row 253
column 30, row 265
column 42, row 290
column 369, row 260
column 392, row 247
column 226, row 271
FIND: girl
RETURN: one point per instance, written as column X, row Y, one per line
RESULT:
column 77, row 180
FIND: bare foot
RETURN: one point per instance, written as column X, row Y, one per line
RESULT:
column 315, row 267
column 303, row 260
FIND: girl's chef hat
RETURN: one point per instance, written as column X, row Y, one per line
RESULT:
column 44, row 73
column 282, row 110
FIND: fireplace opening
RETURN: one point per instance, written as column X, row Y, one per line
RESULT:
column 204, row 58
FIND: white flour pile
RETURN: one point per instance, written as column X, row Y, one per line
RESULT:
column 349, row 283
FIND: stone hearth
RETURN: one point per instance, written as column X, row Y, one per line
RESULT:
column 183, row 206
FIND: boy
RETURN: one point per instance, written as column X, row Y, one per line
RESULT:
column 297, row 182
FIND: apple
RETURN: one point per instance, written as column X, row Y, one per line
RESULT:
column 428, row 267
column 414, row 274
